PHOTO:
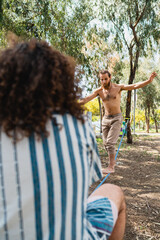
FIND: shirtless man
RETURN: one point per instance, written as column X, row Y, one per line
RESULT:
column 110, row 93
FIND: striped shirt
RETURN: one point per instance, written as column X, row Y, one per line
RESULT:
column 44, row 184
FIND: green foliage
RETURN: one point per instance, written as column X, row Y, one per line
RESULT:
column 135, row 25
column 149, row 95
column 139, row 116
column 117, row 74
column 99, row 140
column 95, row 118
column 98, row 53
column 62, row 23
column 125, row 14
column 93, row 106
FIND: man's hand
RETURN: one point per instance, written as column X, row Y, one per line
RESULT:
column 153, row 75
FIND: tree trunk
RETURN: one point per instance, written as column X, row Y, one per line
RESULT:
column 147, row 116
column 147, row 125
column 101, row 114
column 156, row 126
column 133, row 68
column 155, row 120
column 128, row 111
column 1, row 12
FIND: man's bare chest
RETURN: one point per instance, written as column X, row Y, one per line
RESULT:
column 111, row 95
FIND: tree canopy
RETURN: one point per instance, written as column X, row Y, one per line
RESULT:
column 115, row 34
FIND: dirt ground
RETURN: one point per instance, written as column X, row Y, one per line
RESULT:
column 138, row 173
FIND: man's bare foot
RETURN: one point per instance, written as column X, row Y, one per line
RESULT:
column 108, row 170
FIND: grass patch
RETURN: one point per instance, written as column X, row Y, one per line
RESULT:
column 99, row 140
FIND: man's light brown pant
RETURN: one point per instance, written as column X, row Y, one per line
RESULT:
column 111, row 126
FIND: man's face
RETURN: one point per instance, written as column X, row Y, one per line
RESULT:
column 105, row 80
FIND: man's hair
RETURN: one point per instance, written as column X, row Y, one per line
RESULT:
column 35, row 81
column 104, row 72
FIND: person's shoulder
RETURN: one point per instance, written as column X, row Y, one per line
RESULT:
column 98, row 90
column 119, row 86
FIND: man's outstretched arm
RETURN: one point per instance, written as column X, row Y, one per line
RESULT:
column 91, row 96
column 140, row 84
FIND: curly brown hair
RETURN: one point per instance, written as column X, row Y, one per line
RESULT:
column 35, row 81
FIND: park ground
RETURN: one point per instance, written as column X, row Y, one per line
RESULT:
column 138, row 174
